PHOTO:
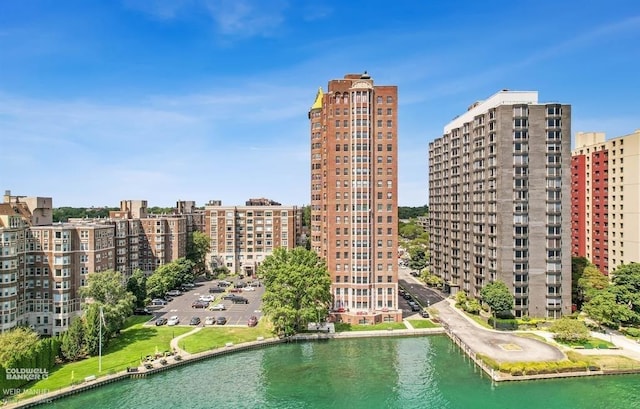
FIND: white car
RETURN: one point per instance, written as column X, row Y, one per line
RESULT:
column 206, row 298
column 209, row 321
column 218, row 307
column 174, row 320
column 249, row 288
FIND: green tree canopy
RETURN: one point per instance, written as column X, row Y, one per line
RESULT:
column 137, row 285
column 198, row 245
column 626, row 285
column 591, row 282
column 410, row 230
column 15, row 344
column 297, row 288
column 418, row 259
column 578, row 264
column 570, row 330
column 604, row 308
column 107, row 289
column 497, row 296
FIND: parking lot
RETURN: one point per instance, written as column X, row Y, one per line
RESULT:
column 236, row 314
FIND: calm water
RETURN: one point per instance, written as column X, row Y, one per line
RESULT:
column 425, row 372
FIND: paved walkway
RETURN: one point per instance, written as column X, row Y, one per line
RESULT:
column 175, row 341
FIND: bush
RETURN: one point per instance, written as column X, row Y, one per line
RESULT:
column 569, row 330
column 503, row 324
column 473, row 307
column 632, row 332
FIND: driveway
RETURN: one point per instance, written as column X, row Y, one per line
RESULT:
column 498, row 345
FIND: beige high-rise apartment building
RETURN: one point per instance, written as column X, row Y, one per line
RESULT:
column 605, row 196
column 354, row 196
column 243, row 236
column 43, row 266
column 499, row 202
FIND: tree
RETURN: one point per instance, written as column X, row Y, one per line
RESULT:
column 92, row 324
column 410, row 230
column 73, row 342
column 626, row 285
column 418, row 259
column 591, row 282
column 604, row 309
column 578, row 264
column 297, row 288
column 198, row 245
column 16, row 343
column 169, row 276
column 106, row 289
column 137, row 285
column 497, row 296
column 570, row 330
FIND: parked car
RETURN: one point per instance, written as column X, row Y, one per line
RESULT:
column 218, row 307
column 424, row 314
column 141, row 311
column 194, row 321
column 206, row 298
column 415, row 307
column 174, row 293
column 209, row 321
column 216, row 290
column 407, row 296
column 230, row 296
column 188, row 285
column 200, row 304
column 221, row 320
column 161, row 321
column 240, row 300
column 253, row 321
column 415, row 273
column 249, row 288
column 240, row 284
column 173, row 320
column 223, row 283
column 158, row 301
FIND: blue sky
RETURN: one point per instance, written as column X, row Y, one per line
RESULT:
column 171, row 100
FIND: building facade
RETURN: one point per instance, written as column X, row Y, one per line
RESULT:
column 243, row 236
column 354, row 200
column 499, row 202
column 605, row 198
column 43, row 265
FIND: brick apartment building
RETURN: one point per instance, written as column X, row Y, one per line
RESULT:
column 354, row 196
column 605, row 198
column 242, row 236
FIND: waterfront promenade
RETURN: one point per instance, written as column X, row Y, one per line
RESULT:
column 472, row 338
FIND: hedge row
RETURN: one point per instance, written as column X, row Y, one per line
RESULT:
column 538, row 368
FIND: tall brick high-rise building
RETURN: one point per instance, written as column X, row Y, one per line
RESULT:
column 354, row 196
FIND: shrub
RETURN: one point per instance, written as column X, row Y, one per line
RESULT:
column 632, row 332
column 473, row 306
column 503, row 324
column 569, row 330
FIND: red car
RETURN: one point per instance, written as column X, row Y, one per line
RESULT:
column 253, row 321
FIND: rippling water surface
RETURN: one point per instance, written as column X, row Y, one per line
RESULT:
column 425, row 372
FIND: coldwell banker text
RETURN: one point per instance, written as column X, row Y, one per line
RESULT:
column 26, row 374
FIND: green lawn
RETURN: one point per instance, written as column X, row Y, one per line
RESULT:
column 423, row 324
column 591, row 343
column 342, row 327
column 135, row 342
column 216, row 337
